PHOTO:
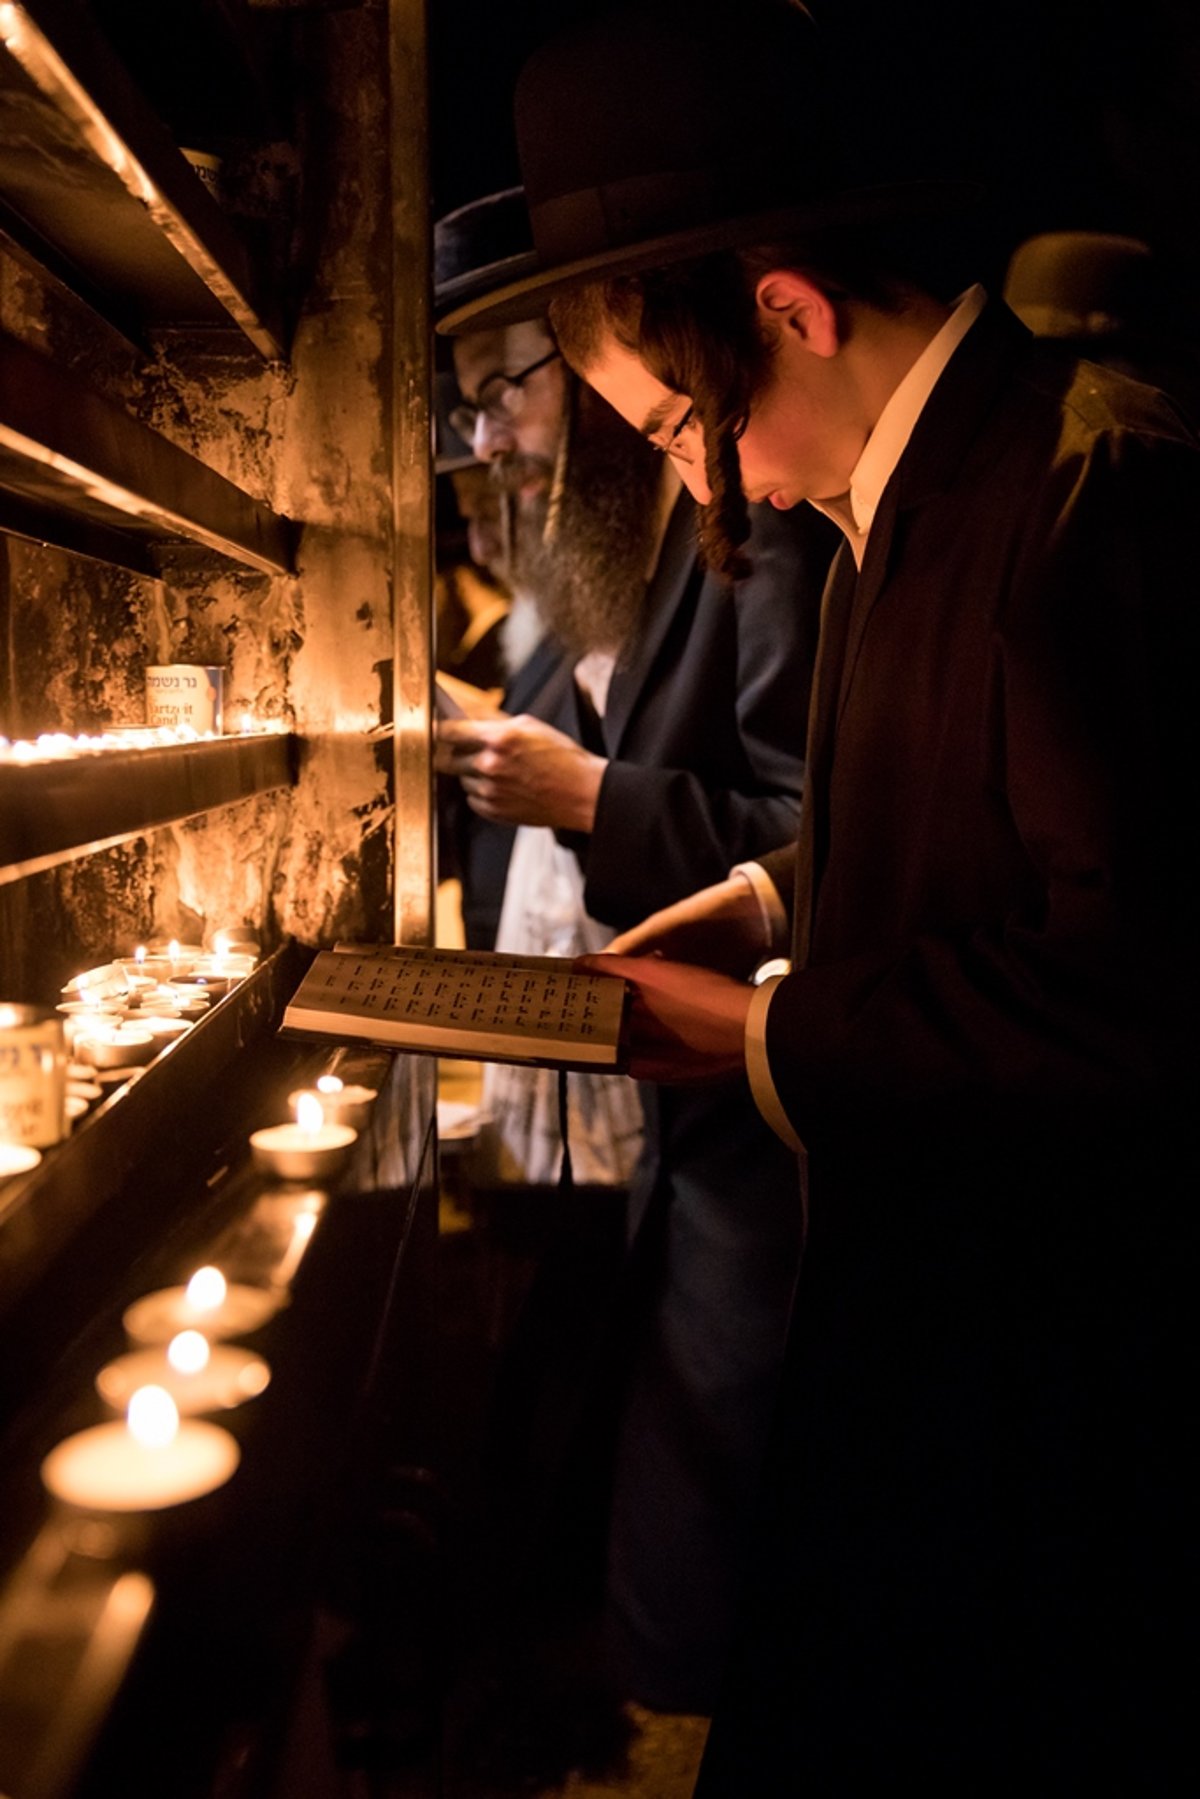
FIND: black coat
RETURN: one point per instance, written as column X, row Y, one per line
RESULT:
column 706, row 717
column 980, row 1510
column 704, row 734
column 704, row 729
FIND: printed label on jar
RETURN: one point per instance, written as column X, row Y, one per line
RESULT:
column 33, row 1076
column 184, row 694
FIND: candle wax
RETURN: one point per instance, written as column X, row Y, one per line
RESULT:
column 229, row 1377
column 17, row 1158
column 125, row 1046
column 159, row 1316
column 296, row 1154
column 107, row 1469
column 343, row 1105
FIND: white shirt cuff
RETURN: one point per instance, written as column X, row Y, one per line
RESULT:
column 774, row 914
column 758, row 1069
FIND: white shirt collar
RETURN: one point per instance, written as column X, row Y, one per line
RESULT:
column 855, row 510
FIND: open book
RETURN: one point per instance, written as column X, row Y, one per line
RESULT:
column 487, row 1006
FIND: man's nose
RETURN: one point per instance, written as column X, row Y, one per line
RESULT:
column 492, row 438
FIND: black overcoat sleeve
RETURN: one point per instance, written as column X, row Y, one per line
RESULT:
column 708, row 765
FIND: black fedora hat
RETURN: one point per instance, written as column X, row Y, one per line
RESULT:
column 663, row 131
column 478, row 247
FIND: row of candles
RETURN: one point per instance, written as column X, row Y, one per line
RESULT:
column 183, row 1362
column 111, row 1022
column 61, row 746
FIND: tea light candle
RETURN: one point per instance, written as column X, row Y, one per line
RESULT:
column 339, row 1104
column 179, row 957
column 199, row 1376
column 171, row 999
column 115, row 1046
column 220, row 973
column 208, row 1303
column 309, row 1150
column 190, row 1000
column 17, row 1158
column 96, row 983
column 83, row 1016
column 141, row 971
column 165, row 1027
column 147, row 1462
column 236, row 940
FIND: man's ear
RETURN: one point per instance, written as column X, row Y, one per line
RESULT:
column 788, row 301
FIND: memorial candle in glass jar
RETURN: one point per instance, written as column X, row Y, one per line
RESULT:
column 33, row 1076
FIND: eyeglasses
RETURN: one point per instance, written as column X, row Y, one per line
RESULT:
column 501, row 399
column 673, row 447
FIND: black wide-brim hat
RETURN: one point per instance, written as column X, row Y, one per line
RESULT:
column 664, row 131
column 482, row 246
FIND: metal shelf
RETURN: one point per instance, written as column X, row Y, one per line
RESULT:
column 55, row 811
column 73, row 463
column 89, row 170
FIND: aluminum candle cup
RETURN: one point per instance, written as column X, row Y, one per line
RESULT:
column 144, row 1464
column 339, row 1104
column 97, row 984
column 236, row 940
column 208, row 1304
column 220, row 973
column 80, row 1017
column 179, row 999
column 309, row 1150
column 17, row 1158
column 294, row 1154
column 165, row 1027
column 199, row 1376
column 116, row 1046
column 185, row 694
column 33, row 1076
column 178, row 957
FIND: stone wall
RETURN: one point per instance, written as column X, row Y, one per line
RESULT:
column 308, row 438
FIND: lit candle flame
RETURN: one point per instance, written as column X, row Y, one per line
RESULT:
column 221, row 944
column 309, row 1114
column 329, row 1083
column 206, row 1290
column 153, row 1417
column 173, row 950
column 9, row 1018
column 139, row 955
column 247, row 723
column 188, row 1352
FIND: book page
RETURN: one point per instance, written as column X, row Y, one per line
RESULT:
column 465, row 1002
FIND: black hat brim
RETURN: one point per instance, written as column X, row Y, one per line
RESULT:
column 509, row 271
column 525, row 294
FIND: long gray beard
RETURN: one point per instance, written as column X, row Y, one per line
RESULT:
column 588, row 574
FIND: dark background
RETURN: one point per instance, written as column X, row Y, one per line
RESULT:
column 1072, row 114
